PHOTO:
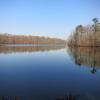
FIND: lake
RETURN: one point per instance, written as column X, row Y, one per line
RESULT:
column 49, row 73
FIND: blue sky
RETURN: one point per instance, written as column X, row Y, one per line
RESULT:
column 55, row 18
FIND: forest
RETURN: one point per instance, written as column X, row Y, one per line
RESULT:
column 24, row 39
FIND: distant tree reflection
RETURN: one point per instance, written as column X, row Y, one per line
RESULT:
column 69, row 97
column 86, row 56
column 29, row 48
column 9, row 98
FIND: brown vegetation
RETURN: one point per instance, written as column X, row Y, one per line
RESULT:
column 22, row 39
column 86, row 35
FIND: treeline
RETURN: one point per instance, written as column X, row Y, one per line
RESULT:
column 88, row 35
column 22, row 39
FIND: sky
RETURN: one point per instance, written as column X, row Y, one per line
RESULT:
column 54, row 18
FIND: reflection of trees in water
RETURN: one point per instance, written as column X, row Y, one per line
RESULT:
column 9, row 98
column 69, row 97
column 88, row 56
column 36, row 48
column 15, row 98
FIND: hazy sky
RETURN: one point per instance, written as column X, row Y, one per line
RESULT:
column 46, row 17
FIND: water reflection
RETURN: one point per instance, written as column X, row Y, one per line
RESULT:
column 28, row 48
column 9, row 98
column 86, row 56
column 69, row 97
column 49, row 75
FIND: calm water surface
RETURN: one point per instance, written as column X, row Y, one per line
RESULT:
column 50, row 73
